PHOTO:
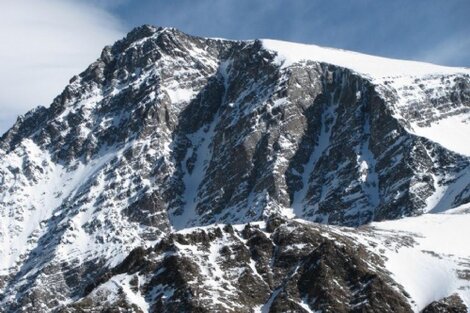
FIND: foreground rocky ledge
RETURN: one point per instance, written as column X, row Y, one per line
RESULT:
column 167, row 131
column 277, row 266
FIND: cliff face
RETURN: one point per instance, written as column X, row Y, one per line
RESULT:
column 167, row 131
column 277, row 267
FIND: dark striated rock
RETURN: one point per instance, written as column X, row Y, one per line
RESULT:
column 297, row 267
column 167, row 131
column 451, row 304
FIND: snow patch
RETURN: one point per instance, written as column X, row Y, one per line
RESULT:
column 192, row 179
column 452, row 133
column 321, row 147
column 289, row 53
column 180, row 95
column 429, row 269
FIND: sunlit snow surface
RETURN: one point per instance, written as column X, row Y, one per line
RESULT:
column 375, row 67
column 28, row 203
column 428, row 255
column 451, row 132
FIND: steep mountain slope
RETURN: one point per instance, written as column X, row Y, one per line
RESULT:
column 294, row 265
column 167, row 131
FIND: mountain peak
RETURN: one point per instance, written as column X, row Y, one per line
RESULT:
column 141, row 32
column 167, row 131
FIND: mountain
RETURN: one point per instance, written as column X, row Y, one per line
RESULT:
column 187, row 174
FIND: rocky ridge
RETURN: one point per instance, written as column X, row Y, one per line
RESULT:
column 167, row 131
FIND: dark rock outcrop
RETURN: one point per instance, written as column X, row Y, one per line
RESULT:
column 296, row 266
column 167, row 131
column 451, row 304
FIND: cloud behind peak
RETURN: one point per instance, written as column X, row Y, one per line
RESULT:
column 45, row 43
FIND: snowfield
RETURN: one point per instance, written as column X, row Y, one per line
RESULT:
column 167, row 136
column 434, row 266
column 374, row 66
column 451, row 132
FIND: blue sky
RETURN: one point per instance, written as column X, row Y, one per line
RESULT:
column 46, row 42
column 429, row 30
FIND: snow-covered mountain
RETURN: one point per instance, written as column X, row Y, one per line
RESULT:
column 108, row 198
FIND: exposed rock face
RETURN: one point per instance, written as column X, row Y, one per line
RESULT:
column 295, row 268
column 167, row 131
column 451, row 304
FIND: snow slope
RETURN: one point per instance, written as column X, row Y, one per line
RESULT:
column 374, row 66
column 432, row 262
column 428, row 255
column 101, row 173
column 448, row 130
column 452, row 133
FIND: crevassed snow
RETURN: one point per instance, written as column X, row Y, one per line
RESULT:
column 289, row 53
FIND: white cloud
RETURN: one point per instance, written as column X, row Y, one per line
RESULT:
column 42, row 45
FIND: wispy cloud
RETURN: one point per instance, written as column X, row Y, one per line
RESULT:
column 43, row 44
column 420, row 30
column 449, row 51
